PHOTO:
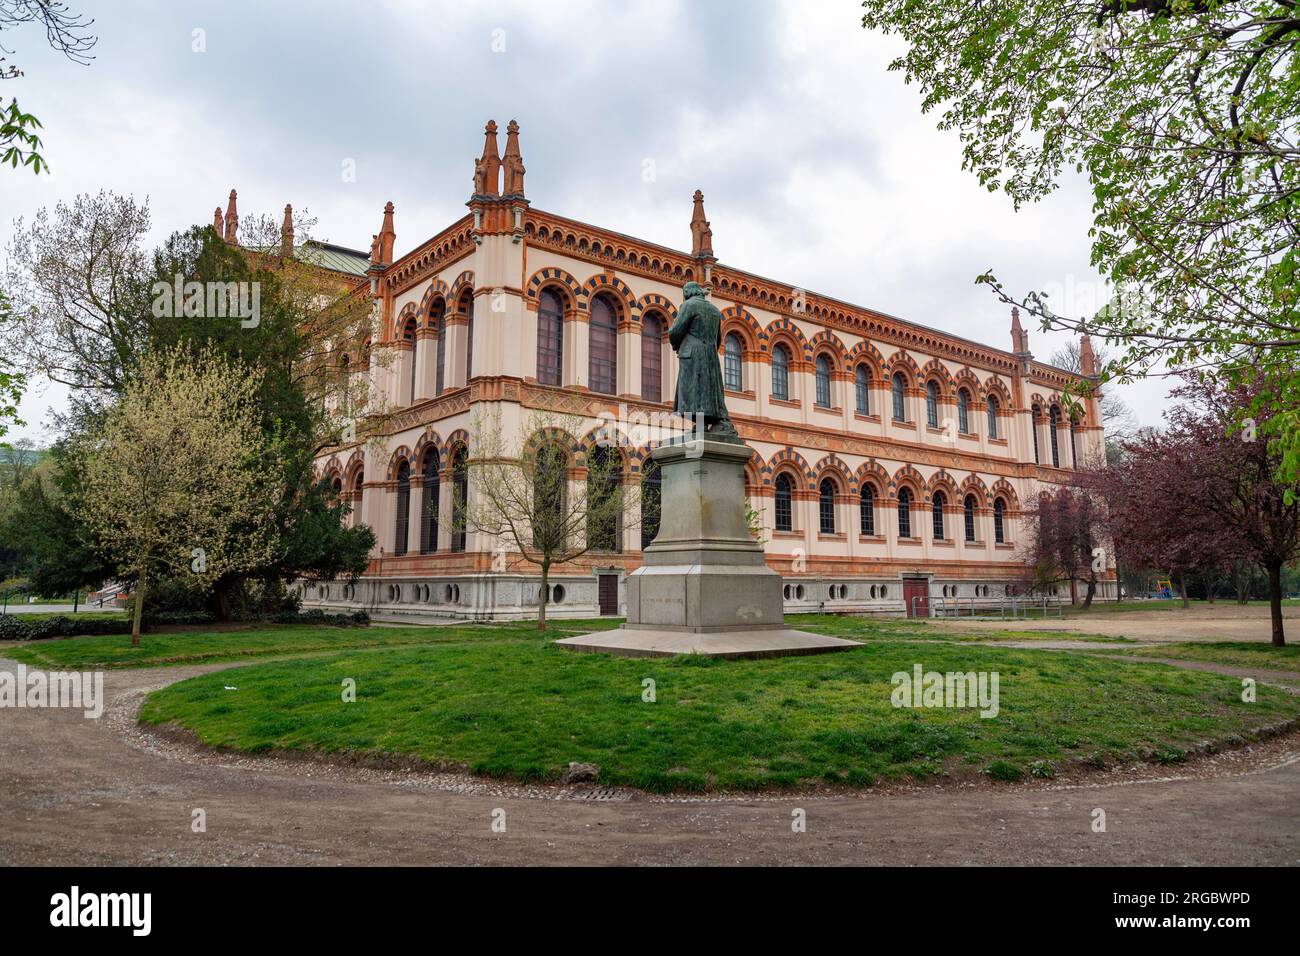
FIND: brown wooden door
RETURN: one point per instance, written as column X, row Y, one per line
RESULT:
column 608, row 592
column 918, row 588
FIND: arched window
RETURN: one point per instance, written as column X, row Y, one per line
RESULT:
column 358, row 486
column 550, row 337
column 408, row 335
column 432, row 485
column 993, row 416
column 936, row 513
column 651, row 501
column 826, row 506
column 784, row 503
column 551, row 472
column 968, row 509
column 467, row 304
column 862, row 390
column 963, row 411
column 867, row 510
column 602, row 365
column 1053, row 421
column 401, row 527
column 440, row 324
column 904, row 513
column 459, row 496
column 932, row 404
column 337, row 488
column 733, row 363
column 999, row 534
column 652, row 357
column 899, row 386
column 1034, row 417
column 1074, row 442
column 823, row 376
column 780, row 373
column 604, row 487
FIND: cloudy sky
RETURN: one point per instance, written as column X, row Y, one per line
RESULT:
column 817, row 165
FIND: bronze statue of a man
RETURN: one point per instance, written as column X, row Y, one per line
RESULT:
column 695, row 337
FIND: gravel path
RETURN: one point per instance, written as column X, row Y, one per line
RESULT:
column 78, row 791
column 1223, row 622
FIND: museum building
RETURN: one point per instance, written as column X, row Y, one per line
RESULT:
column 891, row 461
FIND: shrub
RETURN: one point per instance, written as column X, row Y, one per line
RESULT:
column 1006, row 772
column 14, row 628
column 180, row 617
column 317, row 616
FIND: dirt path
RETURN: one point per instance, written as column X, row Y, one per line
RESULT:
column 1225, row 622
column 78, row 791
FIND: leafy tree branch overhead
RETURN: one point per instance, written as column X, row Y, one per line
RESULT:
column 1182, row 114
column 67, row 33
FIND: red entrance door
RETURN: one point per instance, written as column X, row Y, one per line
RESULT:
column 608, row 594
column 916, row 594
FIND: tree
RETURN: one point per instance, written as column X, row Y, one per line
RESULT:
column 173, row 482
column 298, row 308
column 1202, row 495
column 1155, row 507
column 91, row 306
column 41, row 522
column 1064, row 532
column 66, row 33
column 523, row 495
column 79, row 278
column 11, row 381
column 1182, row 113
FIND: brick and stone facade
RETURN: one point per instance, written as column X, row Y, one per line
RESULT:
column 814, row 387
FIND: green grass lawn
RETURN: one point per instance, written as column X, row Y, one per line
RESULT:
column 524, row 710
column 1244, row 654
column 204, row 646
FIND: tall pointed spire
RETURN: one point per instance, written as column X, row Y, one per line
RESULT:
column 514, row 163
column 286, row 232
column 387, row 236
column 701, row 232
column 1019, row 337
column 217, row 224
column 232, row 221
column 1087, row 360
column 487, row 169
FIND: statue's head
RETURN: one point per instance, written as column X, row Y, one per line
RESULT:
column 692, row 289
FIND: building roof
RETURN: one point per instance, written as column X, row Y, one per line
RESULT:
column 335, row 258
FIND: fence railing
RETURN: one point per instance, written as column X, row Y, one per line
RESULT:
column 1003, row 607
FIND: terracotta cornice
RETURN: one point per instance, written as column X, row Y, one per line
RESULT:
column 451, row 245
column 745, row 288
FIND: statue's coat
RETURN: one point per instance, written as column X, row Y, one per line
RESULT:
column 696, row 336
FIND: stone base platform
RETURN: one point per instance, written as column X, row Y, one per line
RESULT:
column 648, row 642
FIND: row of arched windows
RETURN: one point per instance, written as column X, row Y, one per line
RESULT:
column 783, row 510
column 430, row 491
column 1054, row 418
column 604, row 533
column 602, row 346
column 438, row 323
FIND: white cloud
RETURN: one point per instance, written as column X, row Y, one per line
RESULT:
column 817, row 165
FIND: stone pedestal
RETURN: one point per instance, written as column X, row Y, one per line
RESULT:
column 703, row 587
